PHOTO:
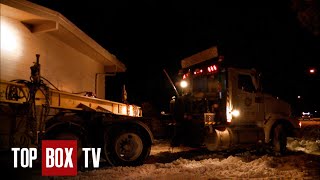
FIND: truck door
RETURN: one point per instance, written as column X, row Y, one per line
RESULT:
column 246, row 98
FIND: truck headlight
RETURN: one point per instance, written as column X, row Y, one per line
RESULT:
column 235, row 113
column 183, row 84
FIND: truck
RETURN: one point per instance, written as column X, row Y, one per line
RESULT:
column 220, row 107
column 310, row 124
column 34, row 110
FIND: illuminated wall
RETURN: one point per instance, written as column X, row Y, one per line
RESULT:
column 68, row 69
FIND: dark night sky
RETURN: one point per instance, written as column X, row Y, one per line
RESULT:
column 149, row 35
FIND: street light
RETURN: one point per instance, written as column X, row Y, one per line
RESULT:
column 312, row 70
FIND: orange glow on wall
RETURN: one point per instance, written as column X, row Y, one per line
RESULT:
column 10, row 37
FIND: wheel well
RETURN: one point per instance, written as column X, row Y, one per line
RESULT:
column 64, row 127
column 287, row 125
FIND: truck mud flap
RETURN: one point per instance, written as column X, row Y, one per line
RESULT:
column 217, row 139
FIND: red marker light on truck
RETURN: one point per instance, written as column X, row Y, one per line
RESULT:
column 212, row 68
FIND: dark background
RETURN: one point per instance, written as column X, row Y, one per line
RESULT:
column 279, row 38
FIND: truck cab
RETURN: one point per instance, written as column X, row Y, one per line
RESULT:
column 221, row 106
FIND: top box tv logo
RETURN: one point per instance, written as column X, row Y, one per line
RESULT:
column 59, row 158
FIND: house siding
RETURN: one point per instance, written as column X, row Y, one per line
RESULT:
column 68, row 69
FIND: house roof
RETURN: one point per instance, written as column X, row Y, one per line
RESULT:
column 43, row 20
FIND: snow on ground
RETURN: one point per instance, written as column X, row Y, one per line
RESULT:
column 298, row 164
column 307, row 146
column 231, row 167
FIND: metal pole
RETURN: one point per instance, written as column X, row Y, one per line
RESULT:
column 174, row 87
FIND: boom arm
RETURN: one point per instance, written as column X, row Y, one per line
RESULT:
column 174, row 87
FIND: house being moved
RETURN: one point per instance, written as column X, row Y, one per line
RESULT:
column 69, row 58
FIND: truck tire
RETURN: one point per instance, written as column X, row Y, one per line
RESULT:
column 129, row 147
column 279, row 140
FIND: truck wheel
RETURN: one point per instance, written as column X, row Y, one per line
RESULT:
column 126, row 148
column 279, row 140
